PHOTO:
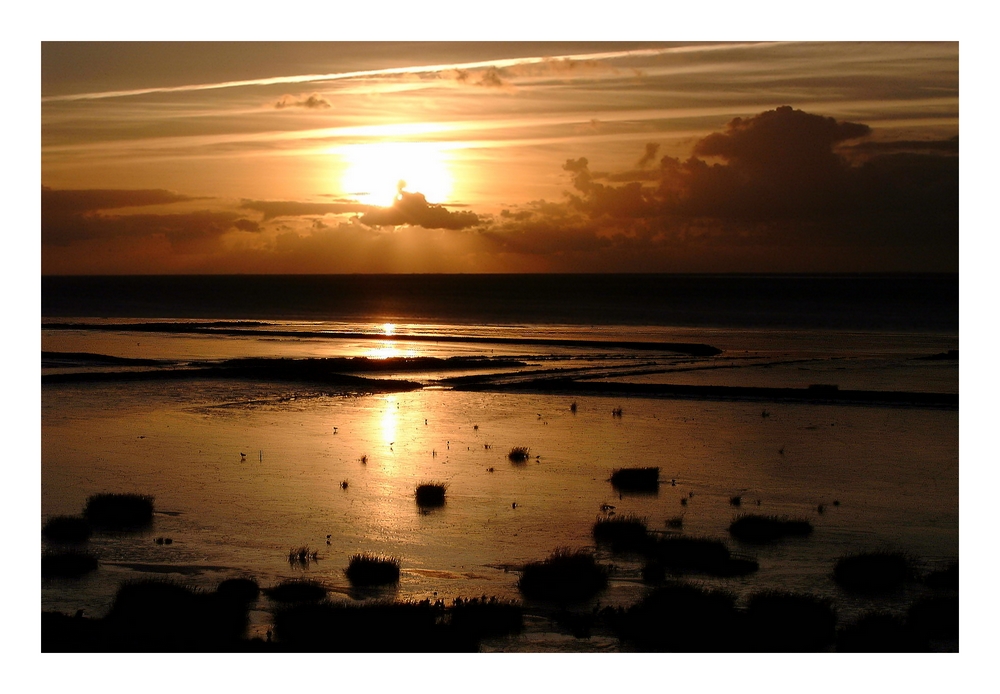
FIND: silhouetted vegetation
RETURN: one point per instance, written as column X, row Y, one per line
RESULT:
column 395, row 626
column 430, row 494
column 680, row 554
column 302, row 556
column 518, row 454
column 478, row 618
column 761, row 529
column 296, row 591
column 789, row 622
column 944, row 579
column 243, row 590
column 879, row 632
column 636, row 479
column 372, row 570
column 66, row 529
column 67, row 564
column 681, row 618
column 934, row 617
column 565, row 577
column 154, row 615
column 625, row 533
column 873, row 572
column 119, row 511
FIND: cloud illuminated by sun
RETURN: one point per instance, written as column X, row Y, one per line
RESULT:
column 374, row 173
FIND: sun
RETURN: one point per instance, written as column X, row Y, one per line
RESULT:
column 376, row 172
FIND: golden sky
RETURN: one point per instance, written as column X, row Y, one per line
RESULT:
column 498, row 157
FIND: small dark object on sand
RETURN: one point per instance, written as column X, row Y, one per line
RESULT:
column 372, row 570
column 684, row 501
column 676, row 522
column 617, row 412
column 344, row 484
column 735, row 500
column 636, row 479
column 572, row 408
column 430, row 494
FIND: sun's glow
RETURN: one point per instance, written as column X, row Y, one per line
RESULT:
column 374, row 172
column 389, row 328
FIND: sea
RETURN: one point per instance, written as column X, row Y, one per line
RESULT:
column 270, row 413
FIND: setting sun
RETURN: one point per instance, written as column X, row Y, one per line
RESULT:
column 375, row 173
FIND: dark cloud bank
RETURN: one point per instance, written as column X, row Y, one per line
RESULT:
column 783, row 190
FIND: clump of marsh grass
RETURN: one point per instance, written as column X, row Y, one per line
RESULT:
column 879, row 632
column 789, row 622
column 302, row 556
column 624, row 533
column 430, row 494
column 943, row 579
column 680, row 554
column 296, row 591
column 243, row 590
column 67, row 564
column 518, row 454
column 566, row 577
column 119, row 511
column 759, row 529
column 157, row 615
column 636, row 479
column 873, row 572
column 372, row 570
column 66, row 529
column 680, row 617
column 934, row 617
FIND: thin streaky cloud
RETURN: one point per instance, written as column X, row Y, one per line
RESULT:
column 411, row 70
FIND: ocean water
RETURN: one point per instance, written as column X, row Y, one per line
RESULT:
column 504, row 349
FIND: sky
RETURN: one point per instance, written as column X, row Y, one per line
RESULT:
column 357, row 157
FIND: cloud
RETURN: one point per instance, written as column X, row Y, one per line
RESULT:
column 312, row 101
column 272, row 209
column 73, row 216
column 773, row 192
column 649, row 156
column 79, row 201
column 413, row 209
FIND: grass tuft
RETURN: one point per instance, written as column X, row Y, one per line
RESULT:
column 565, row 577
column 518, row 454
column 873, row 572
column 430, row 493
column 296, row 591
column 67, row 564
column 636, row 479
column 762, row 529
column 66, row 529
column 119, row 511
column 626, row 533
column 372, row 570
column 302, row 556
column 789, row 622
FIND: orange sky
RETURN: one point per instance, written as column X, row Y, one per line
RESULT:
column 501, row 157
